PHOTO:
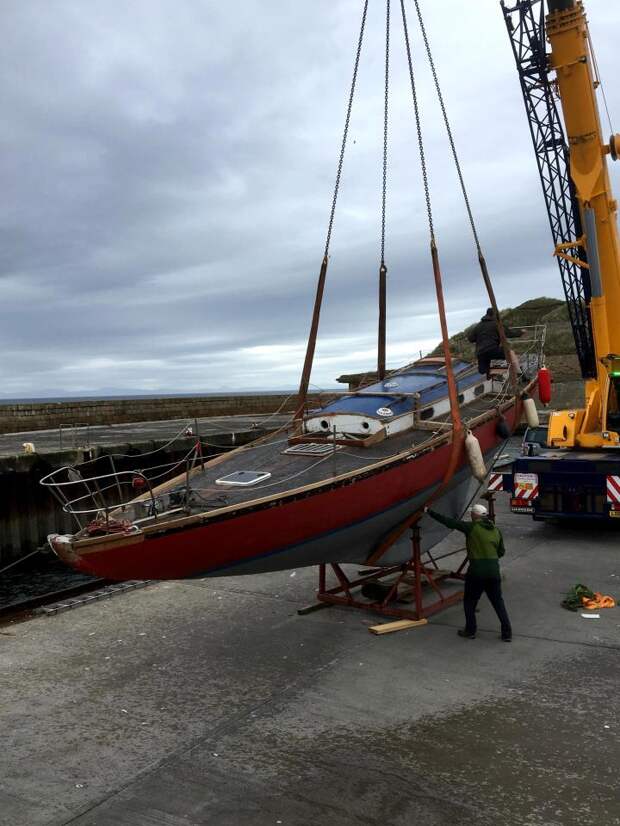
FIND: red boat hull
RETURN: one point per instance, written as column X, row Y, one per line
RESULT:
column 341, row 522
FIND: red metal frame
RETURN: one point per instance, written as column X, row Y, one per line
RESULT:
column 415, row 572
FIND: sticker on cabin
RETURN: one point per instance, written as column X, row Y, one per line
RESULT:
column 389, row 385
column 384, row 412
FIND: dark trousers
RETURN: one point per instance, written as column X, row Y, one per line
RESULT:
column 485, row 359
column 475, row 587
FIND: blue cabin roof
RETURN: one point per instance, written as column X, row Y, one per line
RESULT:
column 394, row 392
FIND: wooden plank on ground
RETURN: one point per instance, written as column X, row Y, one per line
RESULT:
column 399, row 625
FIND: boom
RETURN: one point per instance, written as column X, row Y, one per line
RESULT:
column 526, row 29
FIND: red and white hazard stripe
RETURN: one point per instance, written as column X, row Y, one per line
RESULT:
column 613, row 490
column 527, row 495
column 496, row 482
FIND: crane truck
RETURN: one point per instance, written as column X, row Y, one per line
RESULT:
column 575, row 473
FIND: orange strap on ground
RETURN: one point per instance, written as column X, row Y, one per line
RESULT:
column 599, row 601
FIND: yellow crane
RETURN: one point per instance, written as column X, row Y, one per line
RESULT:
column 577, row 473
column 572, row 59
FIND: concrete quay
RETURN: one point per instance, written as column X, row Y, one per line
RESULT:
column 223, row 428
column 213, row 702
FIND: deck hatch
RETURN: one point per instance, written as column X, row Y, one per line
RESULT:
column 312, row 449
column 243, row 478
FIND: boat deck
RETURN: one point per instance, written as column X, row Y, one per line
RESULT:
column 287, row 471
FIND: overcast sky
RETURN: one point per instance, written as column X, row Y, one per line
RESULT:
column 167, row 171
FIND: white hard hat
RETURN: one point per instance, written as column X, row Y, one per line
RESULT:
column 480, row 510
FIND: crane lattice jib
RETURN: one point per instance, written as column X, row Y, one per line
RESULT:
column 526, row 28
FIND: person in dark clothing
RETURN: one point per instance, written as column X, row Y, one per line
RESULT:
column 485, row 547
column 485, row 336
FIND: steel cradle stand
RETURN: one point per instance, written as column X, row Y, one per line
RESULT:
column 403, row 597
column 411, row 578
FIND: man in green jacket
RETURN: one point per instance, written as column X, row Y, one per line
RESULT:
column 485, row 547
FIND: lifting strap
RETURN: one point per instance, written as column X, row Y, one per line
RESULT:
column 314, row 328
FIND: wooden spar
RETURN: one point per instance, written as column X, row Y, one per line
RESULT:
column 500, row 324
column 382, row 321
column 453, row 393
column 314, row 329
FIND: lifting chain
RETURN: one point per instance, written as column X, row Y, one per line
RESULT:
column 381, row 344
column 385, row 130
column 418, row 123
column 444, row 113
column 346, row 128
column 318, row 301
column 455, row 415
column 483, row 265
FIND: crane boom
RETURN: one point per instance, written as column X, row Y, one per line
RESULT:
column 526, row 29
column 589, row 211
column 572, row 60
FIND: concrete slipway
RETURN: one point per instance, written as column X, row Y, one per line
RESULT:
column 212, row 702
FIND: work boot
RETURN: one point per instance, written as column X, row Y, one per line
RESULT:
column 506, row 637
column 463, row 632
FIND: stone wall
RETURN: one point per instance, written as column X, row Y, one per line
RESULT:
column 15, row 418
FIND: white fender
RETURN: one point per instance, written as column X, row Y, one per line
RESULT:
column 531, row 414
column 474, row 454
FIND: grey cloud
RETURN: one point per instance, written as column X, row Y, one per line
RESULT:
column 167, row 172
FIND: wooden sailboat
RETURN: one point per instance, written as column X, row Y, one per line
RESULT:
column 288, row 500
column 338, row 484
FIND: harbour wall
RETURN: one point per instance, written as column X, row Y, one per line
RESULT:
column 15, row 418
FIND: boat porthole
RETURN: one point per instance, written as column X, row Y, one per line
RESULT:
column 365, row 425
column 325, row 424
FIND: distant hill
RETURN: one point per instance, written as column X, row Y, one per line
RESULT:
column 560, row 352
